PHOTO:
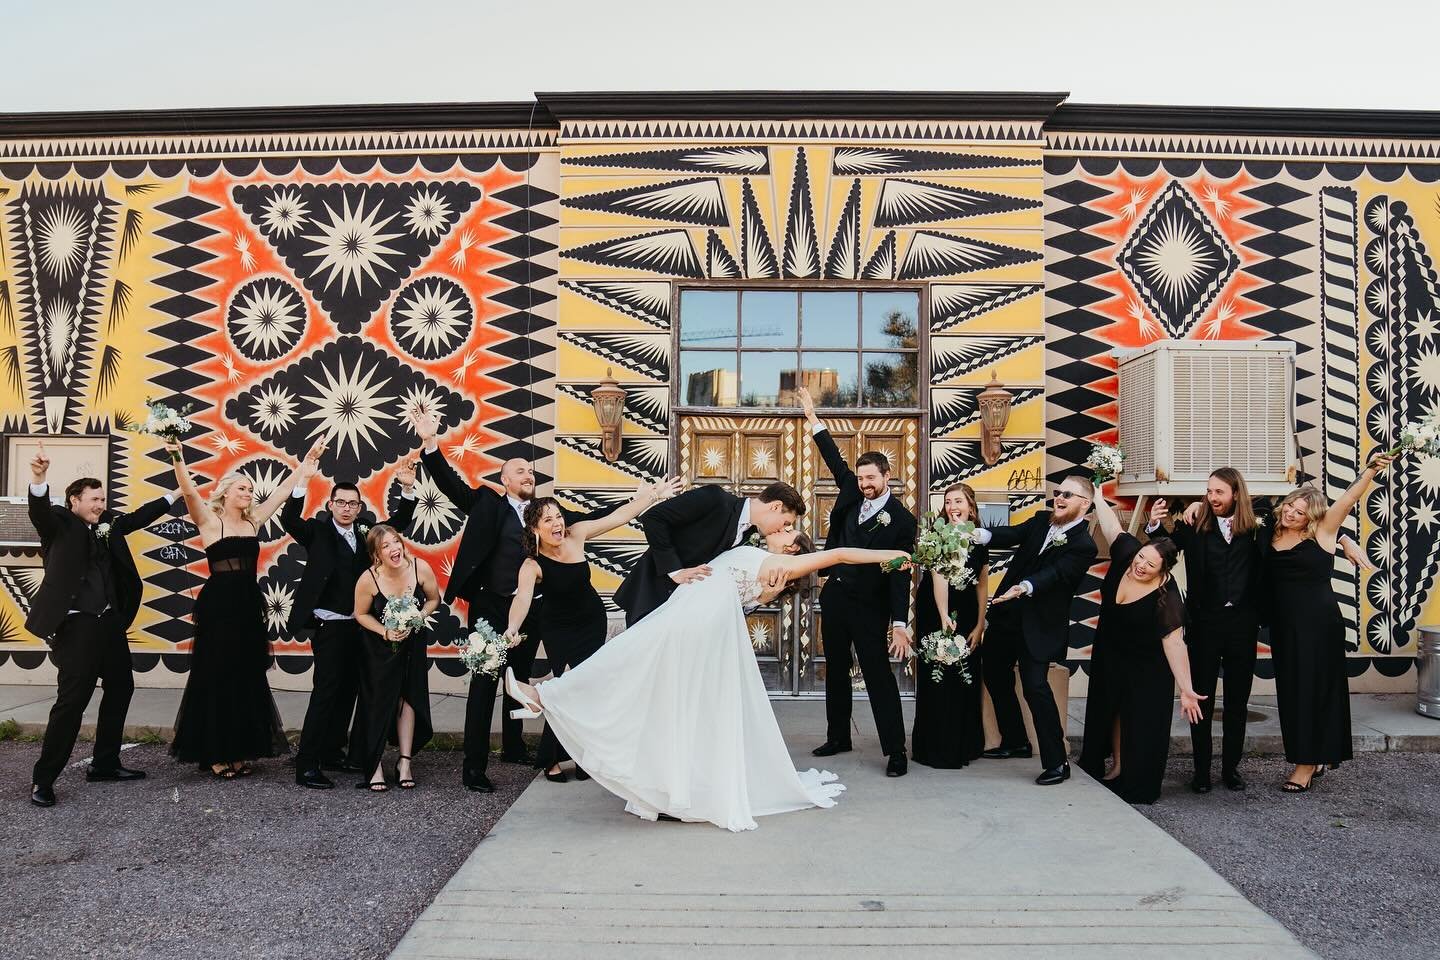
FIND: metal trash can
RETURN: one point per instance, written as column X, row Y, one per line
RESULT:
column 1427, row 687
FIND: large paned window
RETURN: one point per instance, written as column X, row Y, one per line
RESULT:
column 755, row 348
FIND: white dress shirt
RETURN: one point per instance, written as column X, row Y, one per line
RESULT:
column 982, row 537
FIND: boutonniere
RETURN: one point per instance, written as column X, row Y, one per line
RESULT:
column 362, row 528
column 102, row 531
column 882, row 519
column 1059, row 540
column 755, row 540
column 1259, row 521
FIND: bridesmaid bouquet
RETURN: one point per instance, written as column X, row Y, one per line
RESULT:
column 946, row 648
column 403, row 614
column 484, row 651
column 164, row 422
column 942, row 547
column 1105, row 462
column 1421, row 435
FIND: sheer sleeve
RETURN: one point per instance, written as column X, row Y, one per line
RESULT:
column 1170, row 611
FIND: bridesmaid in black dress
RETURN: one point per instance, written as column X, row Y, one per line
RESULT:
column 227, row 715
column 1137, row 660
column 572, row 618
column 1307, row 630
column 948, row 731
column 395, row 684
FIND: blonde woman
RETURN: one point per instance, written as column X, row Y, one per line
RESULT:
column 948, row 732
column 1307, row 630
column 227, row 714
column 395, row 684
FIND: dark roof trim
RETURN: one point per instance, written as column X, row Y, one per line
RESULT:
column 800, row 105
column 293, row 119
column 1249, row 121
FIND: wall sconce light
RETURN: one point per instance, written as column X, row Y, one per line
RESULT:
column 995, row 402
column 609, row 401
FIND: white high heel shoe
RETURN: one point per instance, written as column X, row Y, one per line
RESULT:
column 531, row 709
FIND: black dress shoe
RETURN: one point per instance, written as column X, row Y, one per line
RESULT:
column 829, row 748
column 119, row 773
column 580, row 774
column 1200, row 784
column 1008, row 753
column 42, row 796
column 524, row 758
column 478, row 782
column 1054, row 775
column 313, row 779
column 560, row 777
column 1233, row 780
column 898, row 765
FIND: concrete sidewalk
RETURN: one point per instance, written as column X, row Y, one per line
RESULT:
column 972, row 863
column 1379, row 722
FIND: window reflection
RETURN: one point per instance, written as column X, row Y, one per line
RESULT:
column 830, row 319
column 768, row 318
column 889, row 320
column 708, row 318
column 760, row 379
column 708, row 378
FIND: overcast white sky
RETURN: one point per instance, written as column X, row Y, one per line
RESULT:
column 111, row 54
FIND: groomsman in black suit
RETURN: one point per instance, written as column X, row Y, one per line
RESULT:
column 686, row 532
column 335, row 558
column 862, row 606
column 87, row 600
column 484, row 575
column 1029, row 622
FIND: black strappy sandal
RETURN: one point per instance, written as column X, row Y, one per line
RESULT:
column 1290, row 786
column 409, row 782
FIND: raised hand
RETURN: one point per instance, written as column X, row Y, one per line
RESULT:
column 1379, row 462
column 660, row 489
column 1159, row 511
column 807, row 403
column 406, row 474
column 39, row 465
column 1192, row 513
column 425, row 424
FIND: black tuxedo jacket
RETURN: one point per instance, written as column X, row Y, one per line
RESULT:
column 65, row 545
column 1192, row 543
column 685, row 531
column 326, row 553
column 483, row 515
column 879, row 590
column 1054, row 576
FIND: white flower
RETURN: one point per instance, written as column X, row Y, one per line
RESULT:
column 1059, row 540
column 102, row 531
column 883, row 519
column 362, row 529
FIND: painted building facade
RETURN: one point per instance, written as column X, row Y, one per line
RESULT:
column 298, row 271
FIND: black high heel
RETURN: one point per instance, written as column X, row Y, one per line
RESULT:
column 409, row 782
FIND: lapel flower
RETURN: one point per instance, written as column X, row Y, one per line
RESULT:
column 1059, row 540
column 1259, row 521
column 755, row 539
column 362, row 529
column 882, row 519
column 102, row 530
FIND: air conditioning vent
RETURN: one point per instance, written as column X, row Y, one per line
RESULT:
column 1187, row 407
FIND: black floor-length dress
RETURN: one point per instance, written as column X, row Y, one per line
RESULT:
column 1131, row 679
column 391, row 676
column 573, row 622
column 948, row 731
column 227, row 712
column 1307, row 642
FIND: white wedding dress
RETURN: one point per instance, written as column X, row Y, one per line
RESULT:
column 672, row 715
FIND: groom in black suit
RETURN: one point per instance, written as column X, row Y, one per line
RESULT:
column 863, row 607
column 1029, row 622
column 687, row 532
column 86, row 602
column 335, row 558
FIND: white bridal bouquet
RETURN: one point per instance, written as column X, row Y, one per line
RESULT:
column 404, row 614
column 164, row 422
column 944, row 548
column 484, row 651
column 946, row 648
column 1105, row 462
column 1422, row 436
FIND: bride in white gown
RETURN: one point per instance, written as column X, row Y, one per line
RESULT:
column 672, row 715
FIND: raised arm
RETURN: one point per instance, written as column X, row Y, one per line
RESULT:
column 303, row 471
column 646, row 496
column 1004, row 538
column 829, row 452
column 808, row 563
column 201, row 515
column 520, row 604
column 405, row 513
column 1110, row 527
column 42, row 514
column 447, row 481
column 662, row 524
column 1334, row 518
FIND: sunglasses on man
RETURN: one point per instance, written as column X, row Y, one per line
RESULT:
column 1067, row 494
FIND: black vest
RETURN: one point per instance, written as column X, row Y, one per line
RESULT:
column 339, row 593
column 97, row 588
column 1227, row 569
column 501, row 570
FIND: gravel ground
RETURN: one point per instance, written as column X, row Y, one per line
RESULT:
column 182, row 865
column 1351, row 868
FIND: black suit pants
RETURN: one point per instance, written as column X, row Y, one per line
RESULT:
column 85, row 649
column 494, row 609
column 849, row 621
column 1222, row 638
column 334, row 688
column 1005, row 649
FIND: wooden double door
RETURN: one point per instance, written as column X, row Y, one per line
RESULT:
column 744, row 455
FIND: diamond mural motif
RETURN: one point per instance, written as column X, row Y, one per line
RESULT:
column 353, row 393
column 1177, row 260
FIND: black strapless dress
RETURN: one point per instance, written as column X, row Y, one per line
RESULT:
column 227, row 712
column 389, row 679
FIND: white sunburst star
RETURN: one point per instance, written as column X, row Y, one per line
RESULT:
column 276, row 603
column 62, row 240
column 1175, row 258
column 427, row 214
column 457, row 259
column 225, row 443
column 762, row 458
column 351, row 246
column 61, row 325
column 274, row 409
column 759, row 635
column 349, row 406
column 434, row 517
column 713, row 457
column 463, row 448
column 432, row 317
column 420, row 400
column 267, row 317
column 232, row 369
column 1217, row 201
column 285, row 213
column 1424, row 324
column 242, row 247
column 1425, row 370
column 462, row 371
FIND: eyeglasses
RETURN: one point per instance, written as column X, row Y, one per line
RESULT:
column 1067, row 494
column 352, row 504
